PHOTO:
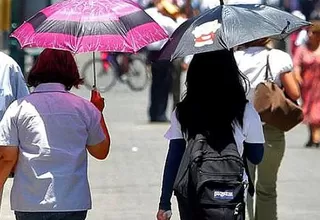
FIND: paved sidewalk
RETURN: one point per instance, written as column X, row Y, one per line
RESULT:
column 126, row 186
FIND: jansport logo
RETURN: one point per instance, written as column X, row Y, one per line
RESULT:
column 225, row 195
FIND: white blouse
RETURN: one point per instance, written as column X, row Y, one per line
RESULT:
column 251, row 132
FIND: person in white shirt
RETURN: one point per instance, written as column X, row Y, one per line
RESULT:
column 214, row 103
column 45, row 138
column 162, row 13
column 12, row 86
column 252, row 61
column 161, row 69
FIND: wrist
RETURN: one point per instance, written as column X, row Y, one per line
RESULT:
column 165, row 207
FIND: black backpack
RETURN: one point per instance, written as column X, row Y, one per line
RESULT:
column 209, row 184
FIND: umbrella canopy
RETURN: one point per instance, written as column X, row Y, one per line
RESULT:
column 90, row 25
column 227, row 26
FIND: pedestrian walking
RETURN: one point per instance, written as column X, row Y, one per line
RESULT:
column 307, row 71
column 12, row 86
column 161, row 70
column 252, row 59
column 215, row 106
column 45, row 138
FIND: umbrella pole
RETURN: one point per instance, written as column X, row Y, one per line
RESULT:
column 221, row 2
column 94, row 70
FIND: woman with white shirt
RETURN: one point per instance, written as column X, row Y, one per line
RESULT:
column 252, row 61
column 45, row 138
column 215, row 103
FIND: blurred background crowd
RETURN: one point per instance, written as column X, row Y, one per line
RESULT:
column 14, row 12
column 166, row 75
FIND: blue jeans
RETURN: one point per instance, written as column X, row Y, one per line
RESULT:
column 81, row 215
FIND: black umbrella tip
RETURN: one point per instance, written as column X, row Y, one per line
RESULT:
column 221, row 2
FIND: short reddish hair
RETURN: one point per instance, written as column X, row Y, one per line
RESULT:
column 55, row 66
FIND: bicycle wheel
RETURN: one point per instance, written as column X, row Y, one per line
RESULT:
column 138, row 74
column 105, row 79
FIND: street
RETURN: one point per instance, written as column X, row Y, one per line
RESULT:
column 126, row 186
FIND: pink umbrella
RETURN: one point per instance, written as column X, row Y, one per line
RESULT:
column 89, row 26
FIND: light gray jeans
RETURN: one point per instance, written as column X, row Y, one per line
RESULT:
column 267, row 172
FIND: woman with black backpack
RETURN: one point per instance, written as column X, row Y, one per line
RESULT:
column 214, row 105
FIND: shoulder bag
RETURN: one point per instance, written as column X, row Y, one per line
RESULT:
column 273, row 106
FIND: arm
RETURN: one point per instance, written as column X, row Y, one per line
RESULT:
column 297, row 62
column 254, row 141
column 281, row 64
column 8, row 159
column 297, row 74
column 100, row 150
column 254, row 152
column 174, row 156
column 290, row 85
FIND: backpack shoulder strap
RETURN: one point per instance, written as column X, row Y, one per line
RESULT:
column 182, row 178
column 246, row 168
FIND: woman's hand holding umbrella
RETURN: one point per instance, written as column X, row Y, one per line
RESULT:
column 97, row 100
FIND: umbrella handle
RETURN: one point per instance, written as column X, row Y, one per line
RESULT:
column 94, row 70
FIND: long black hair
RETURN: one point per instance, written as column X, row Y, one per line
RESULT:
column 215, row 97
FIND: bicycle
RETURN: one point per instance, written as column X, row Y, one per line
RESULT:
column 132, row 69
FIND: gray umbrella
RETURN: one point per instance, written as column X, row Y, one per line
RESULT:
column 227, row 26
